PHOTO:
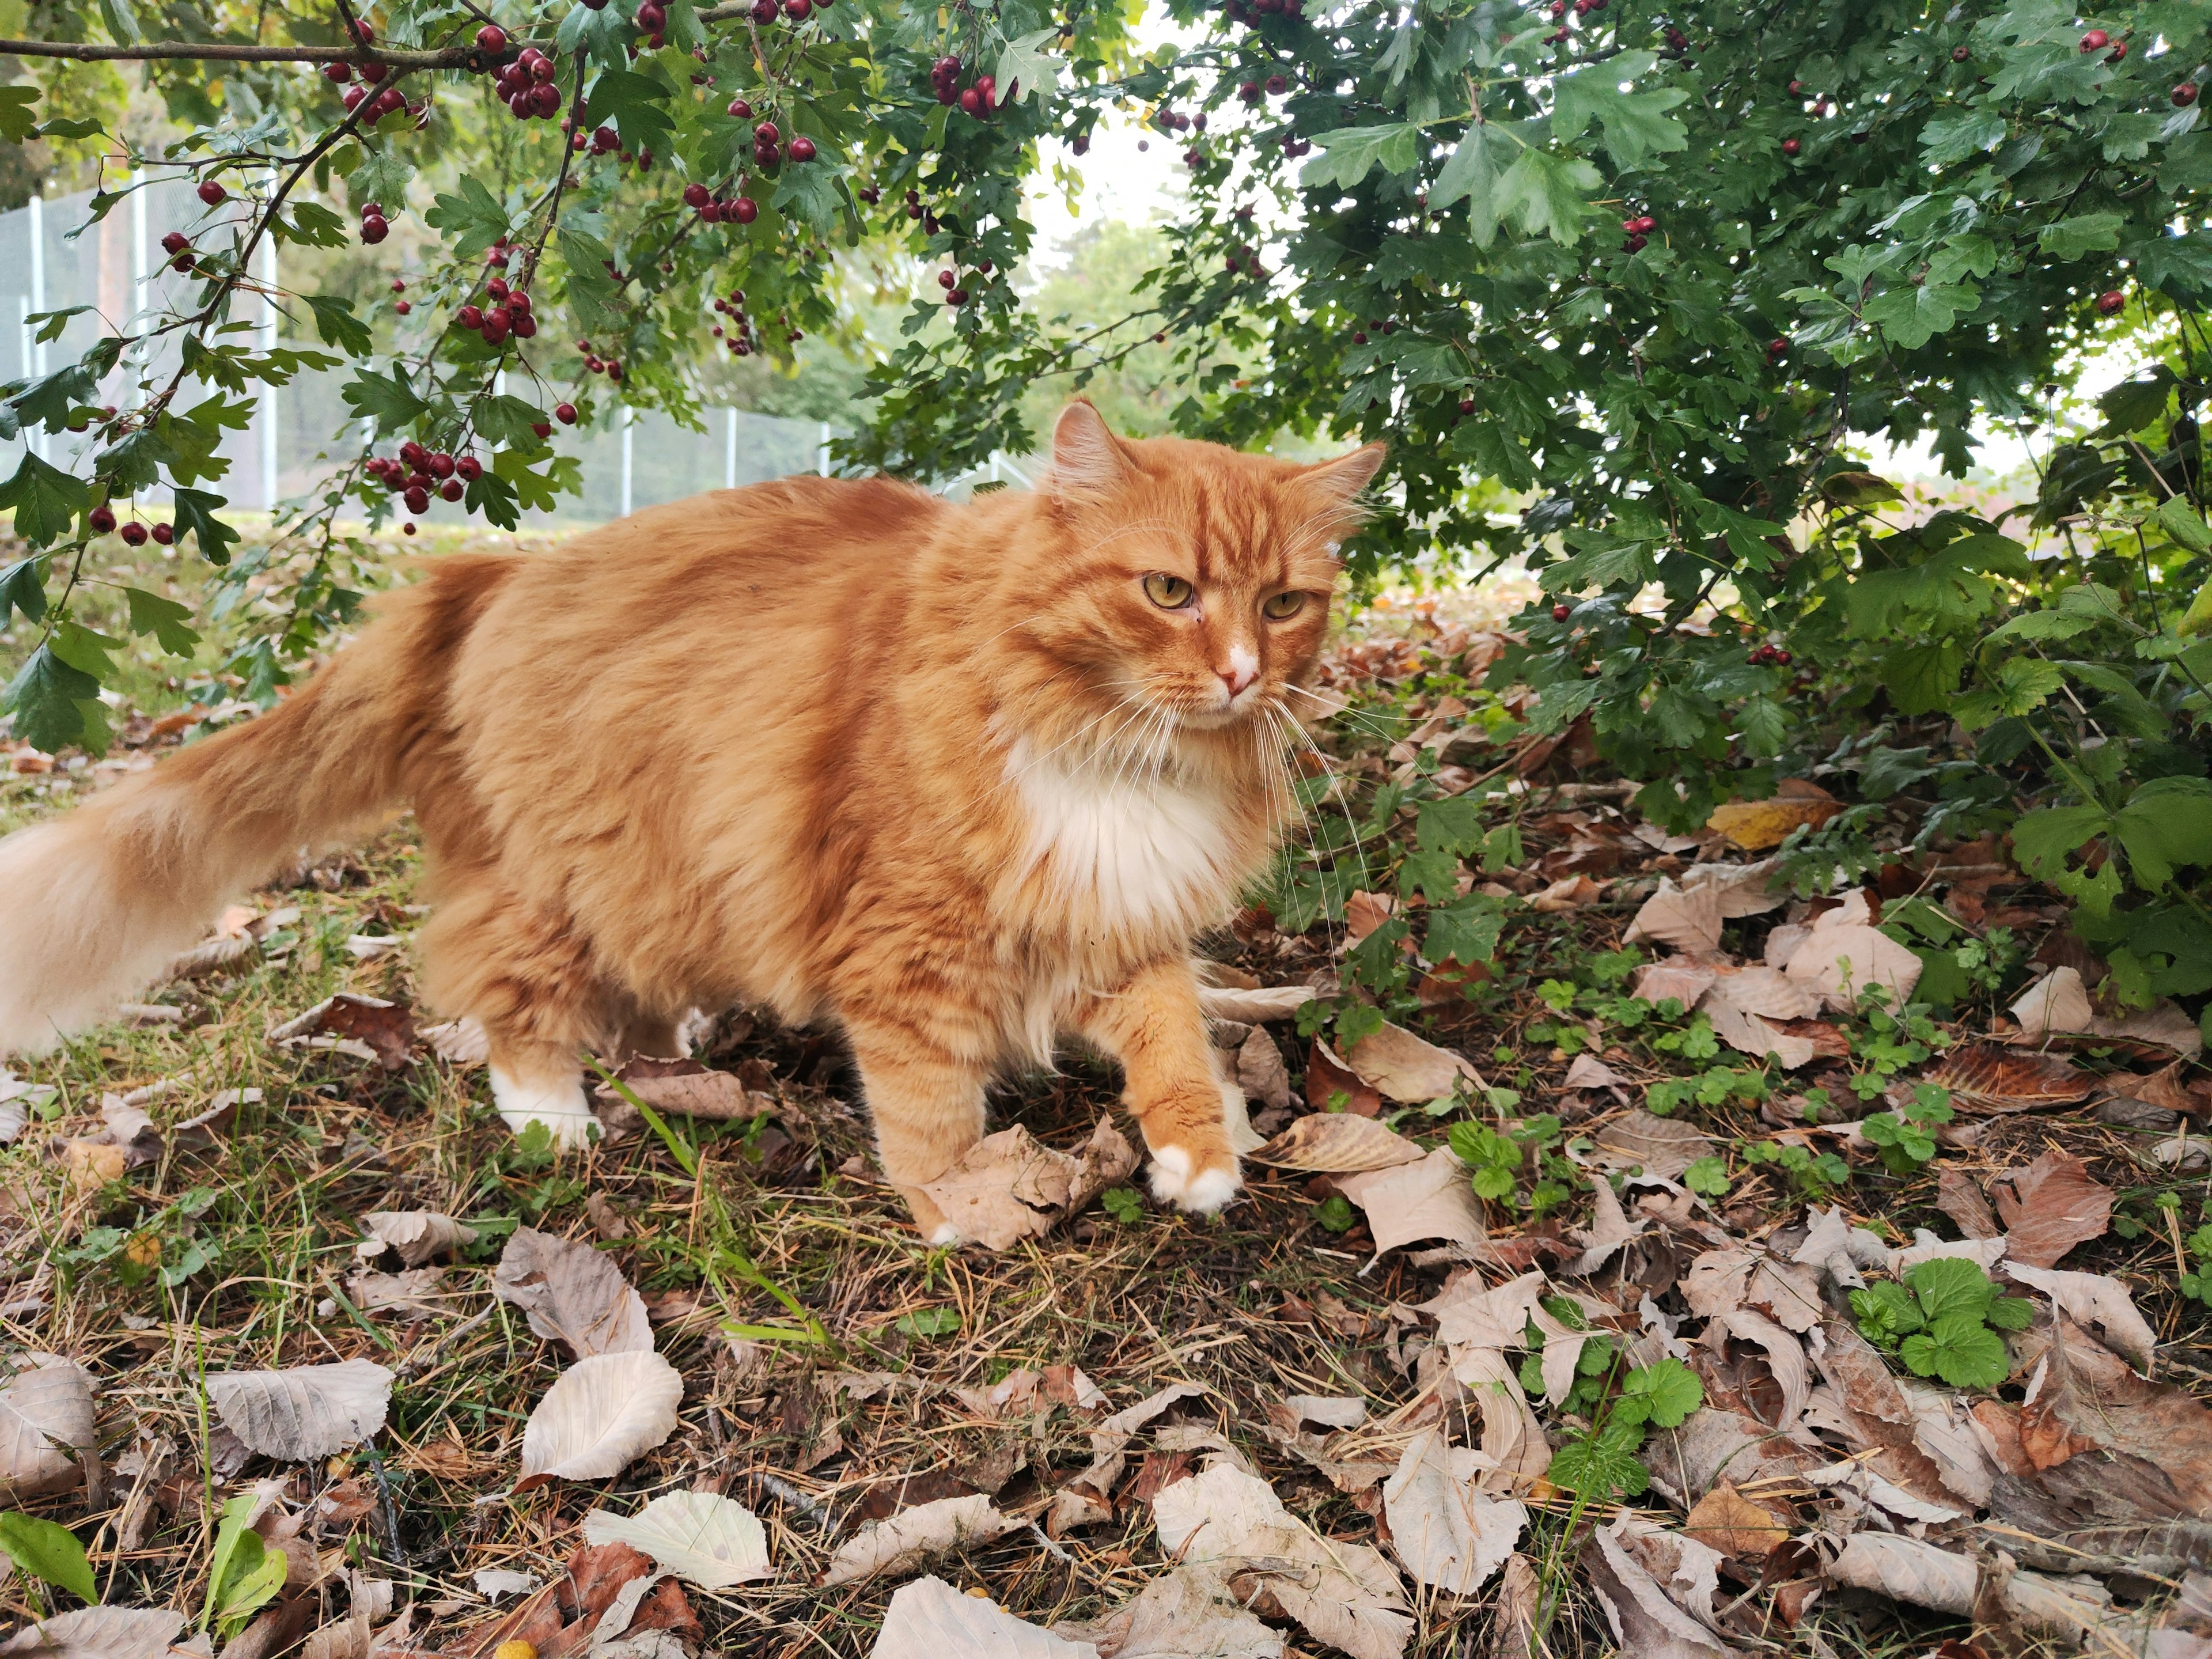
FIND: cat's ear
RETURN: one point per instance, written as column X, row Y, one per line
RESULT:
column 1341, row 480
column 1087, row 458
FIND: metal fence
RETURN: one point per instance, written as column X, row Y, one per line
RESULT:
column 53, row 260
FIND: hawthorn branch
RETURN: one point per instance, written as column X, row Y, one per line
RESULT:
column 469, row 56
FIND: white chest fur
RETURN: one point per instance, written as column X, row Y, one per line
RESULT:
column 1146, row 849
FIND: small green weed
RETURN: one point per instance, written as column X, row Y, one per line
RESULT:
column 1943, row 1321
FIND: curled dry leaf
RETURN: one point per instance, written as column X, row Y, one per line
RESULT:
column 1841, row 957
column 714, row 1541
column 573, row 1294
column 1661, row 1145
column 306, row 1411
column 1909, row 1570
column 1333, row 1086
column 99, row 1632
column 904, row 1540
column 1009, row 1186
column 2059, row 1004
column 1338, row 1143
column 2095, row 1299
column 1744, row 890
column 1725, row 1520
column 2049, row 1207
column 599, row 1415
column 1449, row 1534
column 1675, row 978
column 1983, row 1077
column 45, row 1420
column 1588, row 1072
column 1345, row 1594
column 417, row 1235
column 1261, row 1072
column 462, row 1042
column 1958, row 1197
column 1406, row 1069
column 1429, row 1200
column 930, row 1619
column 686, row 1088
column 1743, row 1005
column 1623, row 1561
column 369, row 1028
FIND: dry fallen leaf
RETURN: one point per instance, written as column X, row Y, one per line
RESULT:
column 1744, row 890
column 714, row 1541
column 1449, row 1534
column 1568, row 893
column 1010, row 1186
column 1429, row 1200
column 45, row 1420
column 1688, row 919
column 1840, row 958
column 306, row 1412
column 417, row 1235
column 2049, row 1207
column 573, row 1293
column 1333, row 1086
column 99, row 1632
column 1677, row 978
column 1513, row 1619
column 2059, row 1004
column 1663, row 1145
column 1646, row 1617
column 2095, row 1299
column 1337, row 1143
column 1958, row 1197
column 1345, row 1594
column 1261, row 1072
column 1727, row 1521
column 930, row 1619
column 374, row 1028
column 904, row 1540
column 685, row 1089
column 1406, row 1069
column 1985, row 1077
column 1187, row 1614
column 600, row 1415
column 1253, row 1007
column 1756, row 825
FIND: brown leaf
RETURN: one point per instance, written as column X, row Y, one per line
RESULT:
column 2050, row 1207
column 1513, row 1621
column 1332, row 1086
column 1261, row 1072
column 1958, row 1197
column 561, row 1619
column 911, row 1536
column 385, row 1030
column 1662, row 1146
column 1009, row 1186
column 574, row 1294
column 1429, row 1200
column 1337, row 1143
column 305, row 1412
column 45, row 1420
column 1677, row 977
column 1689, row 920
column 1985, row 1077
column 416, row 1235
column 1725, row 1520
column 1409, row 1069
column 1364, row 912
column 687, row 1089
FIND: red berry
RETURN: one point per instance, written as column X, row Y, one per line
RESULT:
column 740, row 110
column 135, row 533
column 373, row 73
column 337, row 74
column 353, row 97
column 440, row 464
column 1960, row 54
column 799, row 10
column 2110, row 302
column 766, row 133
column 971, row 101
column 402, row 306
column 1466, row 405
column 211, row 193
column 165, row 533
column 101, row 518
column 2119, row 50
column 1782, row 657
column 2095, row 41
column 408, row 527
column 1790, row 147
column 743, row 210
column 453, row 490
column 651, row 19
column 492, row 38
column 374, row 228
column 2185, row 94
column 361, row 32
column 418, row 500
column 565, row 413
column 542, row 429
column 471, row 318
column 175, row 242
column 802, row 149
column 957, row 297
column 697, row 196
column 546, row 100
column 1560, row 613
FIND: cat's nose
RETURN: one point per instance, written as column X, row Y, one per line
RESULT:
column 1239, row 674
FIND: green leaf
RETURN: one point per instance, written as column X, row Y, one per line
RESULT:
column 1473, row 170
column 1026, row 69
column 381, row 177
column 165, row 619
column 1662, row 1393
column 1951, row 1285
column 84, row 650
column 1959, row 1349
column 595, row 299
column 1550, row 193
column 2179, row 520
column 1601, row 1466
column 1434, row 875
column 473, row 219
column 1350, row 153
column 633, row 103
column 387, row 399
column 2167, row 823
column 46, row 500
column 1637, row 126
column 55, row 705
column 1858, row 490
column 1465, row 931
column 195, row 510
column 2084, row 234
column 505, row 419
column 22, row 585
column 1708, row 1176
column 16, row 121
column 48, row 1553
column 929, row 1321
column 337, row 325
column 1886, row 1312
column 1452, row 825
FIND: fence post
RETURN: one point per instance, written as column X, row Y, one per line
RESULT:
column 730, row 452
column 139, row 271
column 35, row 354
column 628, row 425
column 822, row 452
column 267, row 333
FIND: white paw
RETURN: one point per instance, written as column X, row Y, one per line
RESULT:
column 1201, row 1194
column 561, row 1107
column 947, row 1235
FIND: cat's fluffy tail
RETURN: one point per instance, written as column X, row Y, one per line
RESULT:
column 94, row 904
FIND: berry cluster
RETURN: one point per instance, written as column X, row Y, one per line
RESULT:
column 729, row 209
column 1274, row 86
column 2096, row 40
column 505, row 310
column 1638, row 231
column 527, row 86
column 179, row 247
column 381, row 101
column 1770, row 655
column 416, row 473
column 979, row 100
column 374, row 227
column 764, row 11
column 595, row 364
column 101, row 518
column 741, row 333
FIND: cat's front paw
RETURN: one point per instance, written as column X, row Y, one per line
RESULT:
column 1201, row 1185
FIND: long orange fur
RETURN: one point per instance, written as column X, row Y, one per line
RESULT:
column 950, row 776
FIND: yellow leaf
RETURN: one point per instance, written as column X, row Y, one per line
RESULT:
column 1755, row 825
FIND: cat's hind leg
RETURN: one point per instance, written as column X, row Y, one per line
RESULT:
column 928, row 1104
column 1174, row 1086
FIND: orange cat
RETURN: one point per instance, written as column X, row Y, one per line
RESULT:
column 960, row 779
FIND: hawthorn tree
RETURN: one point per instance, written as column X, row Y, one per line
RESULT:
column 1654, row 274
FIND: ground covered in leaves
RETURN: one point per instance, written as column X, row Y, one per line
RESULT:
column 1707, row 1255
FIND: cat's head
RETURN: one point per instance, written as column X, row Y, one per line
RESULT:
column 1195, row 581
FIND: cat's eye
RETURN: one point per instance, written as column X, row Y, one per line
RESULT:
column 1283, row 605
column 1168, row 592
